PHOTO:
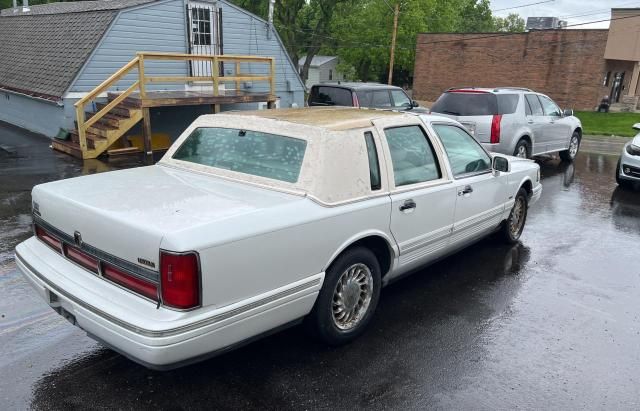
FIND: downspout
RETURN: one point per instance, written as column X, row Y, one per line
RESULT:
column 25, row 6
column 272, row 4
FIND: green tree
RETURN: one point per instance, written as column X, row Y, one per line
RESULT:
column 362, row 34
column 512, row 23
column 303, row 25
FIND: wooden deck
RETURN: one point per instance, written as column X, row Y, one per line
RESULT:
column 98, row 128
column 193, row 98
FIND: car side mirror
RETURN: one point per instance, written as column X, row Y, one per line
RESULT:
column 568, row 112
column 500, row 164
column 636, row 126
column 414, row 104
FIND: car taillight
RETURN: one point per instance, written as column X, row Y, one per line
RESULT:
column 356, row 103
column 140, row 286
column 180, row 280
column 495, row 128
column 48, row 239
column 81, row 258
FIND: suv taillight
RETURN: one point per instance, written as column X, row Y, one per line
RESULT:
column 354, row 97
column 495, row 128
column 180, row 279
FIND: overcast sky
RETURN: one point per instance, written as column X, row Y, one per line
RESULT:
column 574, row 11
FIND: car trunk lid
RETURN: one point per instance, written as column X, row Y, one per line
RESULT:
column 127, row 213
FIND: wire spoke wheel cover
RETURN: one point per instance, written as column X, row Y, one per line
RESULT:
column 516, row 220
column 352, row 296
column 573, row 146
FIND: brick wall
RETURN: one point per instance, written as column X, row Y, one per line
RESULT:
column 567, row 65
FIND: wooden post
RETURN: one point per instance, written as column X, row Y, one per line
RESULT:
column 237, row 75
column 81, row 129
column 215, row 68
column 143, row 92
column 393, row 41
column 146, row 131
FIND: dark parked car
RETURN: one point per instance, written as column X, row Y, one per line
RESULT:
column 370, row 95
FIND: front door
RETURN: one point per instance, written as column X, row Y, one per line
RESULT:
column 423, row 198
column 203, row 35
column 480, row 196
column 557, row 131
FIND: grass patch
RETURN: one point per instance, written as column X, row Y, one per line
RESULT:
column 607, row 124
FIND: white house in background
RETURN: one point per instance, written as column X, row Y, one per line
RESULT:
column 322, row 68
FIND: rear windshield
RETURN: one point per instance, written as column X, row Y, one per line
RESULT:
column 466, row 104
column 330, row 96
column 244, row 151
column 475, row 104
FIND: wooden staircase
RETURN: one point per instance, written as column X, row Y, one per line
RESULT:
column 104, row 132
column 99, row 129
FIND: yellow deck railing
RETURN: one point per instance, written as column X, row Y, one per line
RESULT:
column 140, row 84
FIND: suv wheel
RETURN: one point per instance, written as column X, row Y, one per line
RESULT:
column 523, row 150
column 574, row 146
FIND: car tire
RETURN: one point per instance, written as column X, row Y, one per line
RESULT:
column 513, row 226
column 574, row 147
column 523, row 149
column 348, row 298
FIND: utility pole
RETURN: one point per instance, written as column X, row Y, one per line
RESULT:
column 396, row 11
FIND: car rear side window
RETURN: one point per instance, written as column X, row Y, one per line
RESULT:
column 507, row 103
column 374, row 164
column 244, row 151
column 466, row 104
column 414, row 160
column 534, row 104
column 330, row 96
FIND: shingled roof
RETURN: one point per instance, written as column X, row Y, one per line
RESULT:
column 43, row 49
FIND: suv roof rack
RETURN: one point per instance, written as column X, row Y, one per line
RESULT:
column 512, row 88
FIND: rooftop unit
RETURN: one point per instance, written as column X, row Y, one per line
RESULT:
column 545, row 23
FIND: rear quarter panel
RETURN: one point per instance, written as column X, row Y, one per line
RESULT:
column 270, row 250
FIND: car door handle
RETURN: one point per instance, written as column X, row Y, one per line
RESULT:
column 408, row 205
column 465, row 190
column 530, row 121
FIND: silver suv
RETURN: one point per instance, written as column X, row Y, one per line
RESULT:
column 513, row 121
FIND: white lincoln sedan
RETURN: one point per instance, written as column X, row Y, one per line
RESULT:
column 254, row 221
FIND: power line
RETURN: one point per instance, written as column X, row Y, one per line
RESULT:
column 511, row 34
column 523, row 5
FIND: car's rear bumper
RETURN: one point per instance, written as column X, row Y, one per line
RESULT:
column 155, row 336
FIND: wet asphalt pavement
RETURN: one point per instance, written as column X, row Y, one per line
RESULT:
column 553, row 322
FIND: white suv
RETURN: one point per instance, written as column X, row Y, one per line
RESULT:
column 514, row 121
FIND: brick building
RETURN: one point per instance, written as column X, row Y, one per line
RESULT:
column 575, row 67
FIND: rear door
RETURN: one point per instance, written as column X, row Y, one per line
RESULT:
column 422, row 194
column 480, row 196
column 374, row 98
column 557, row 130
column 536, row 122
